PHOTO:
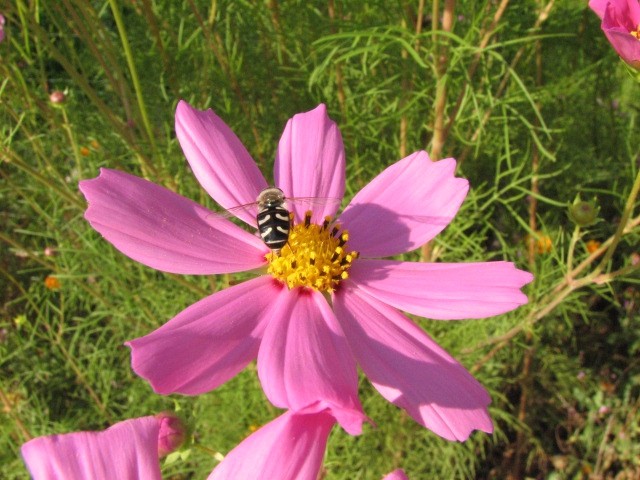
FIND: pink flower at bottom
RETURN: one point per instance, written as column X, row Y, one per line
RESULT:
column 291, row 447
column 126, row 451
column 396, row 475
column 621, row 25
column 324, row 304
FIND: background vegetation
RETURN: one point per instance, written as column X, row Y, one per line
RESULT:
column 527, row 95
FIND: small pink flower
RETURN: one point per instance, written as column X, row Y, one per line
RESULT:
column 621, row 25
column 291, row 447
column 604, row 410
column 396, row 475
column 323, row 308
column 2, row 22
column 128, row 450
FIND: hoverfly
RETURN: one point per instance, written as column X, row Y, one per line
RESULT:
column 274, row 219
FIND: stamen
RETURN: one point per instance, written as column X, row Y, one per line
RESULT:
column 314, row 257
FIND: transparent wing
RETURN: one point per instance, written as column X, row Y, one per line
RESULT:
column 303, row 203
column 312, row 203
column 249, row 208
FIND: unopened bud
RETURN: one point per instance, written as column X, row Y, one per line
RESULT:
column 2, row 22
column 172, row 433
column 583, row 213
column 57, row 97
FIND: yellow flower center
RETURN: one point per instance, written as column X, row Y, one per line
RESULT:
column 316, row 256
column 636, row 33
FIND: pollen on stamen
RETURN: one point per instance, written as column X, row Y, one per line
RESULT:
column 315, row 256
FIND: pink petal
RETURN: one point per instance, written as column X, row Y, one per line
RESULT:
column 208, row 343
column 599, row 6
column 409, row 369
column 310, row 162
column 305, row 358
column 128, row 451
column 291, row 447
column 164, row 230
column 396, row 475
column 443, row 291
column 623, row 13
column 404, row 207
column 218, row 159
column 625, row 45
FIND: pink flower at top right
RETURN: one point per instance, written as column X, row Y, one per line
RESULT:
column 621, row 25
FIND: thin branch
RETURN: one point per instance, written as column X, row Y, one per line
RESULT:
column 544, row 14
column 437, row 141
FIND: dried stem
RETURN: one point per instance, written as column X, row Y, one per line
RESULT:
column 544, row 14
column 272, row 5
column 437, row 142
column 525, row 379
column 442, row 52
column 474, row 65
column 560, row 292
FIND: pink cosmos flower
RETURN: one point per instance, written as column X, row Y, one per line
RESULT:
column 2, row 22
column 621, row 25
column 396, row 475
column 128, row 450
column 291, row 447
column 325, row 303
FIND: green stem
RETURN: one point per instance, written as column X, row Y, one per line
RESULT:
column 628, row 210
column 134, row 73
column 15, row 160
column 72, row 140
column 572, row 247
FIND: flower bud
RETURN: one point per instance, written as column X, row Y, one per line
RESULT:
column 172, row 433
column 583, row 213
column 593, row 245
column 52, row 283
column 2, row 22
column 57, row 97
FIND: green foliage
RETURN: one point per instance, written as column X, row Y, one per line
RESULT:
column 546, row 113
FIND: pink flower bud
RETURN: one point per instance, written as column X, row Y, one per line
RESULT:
column 172, row 433
column 57, row 97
